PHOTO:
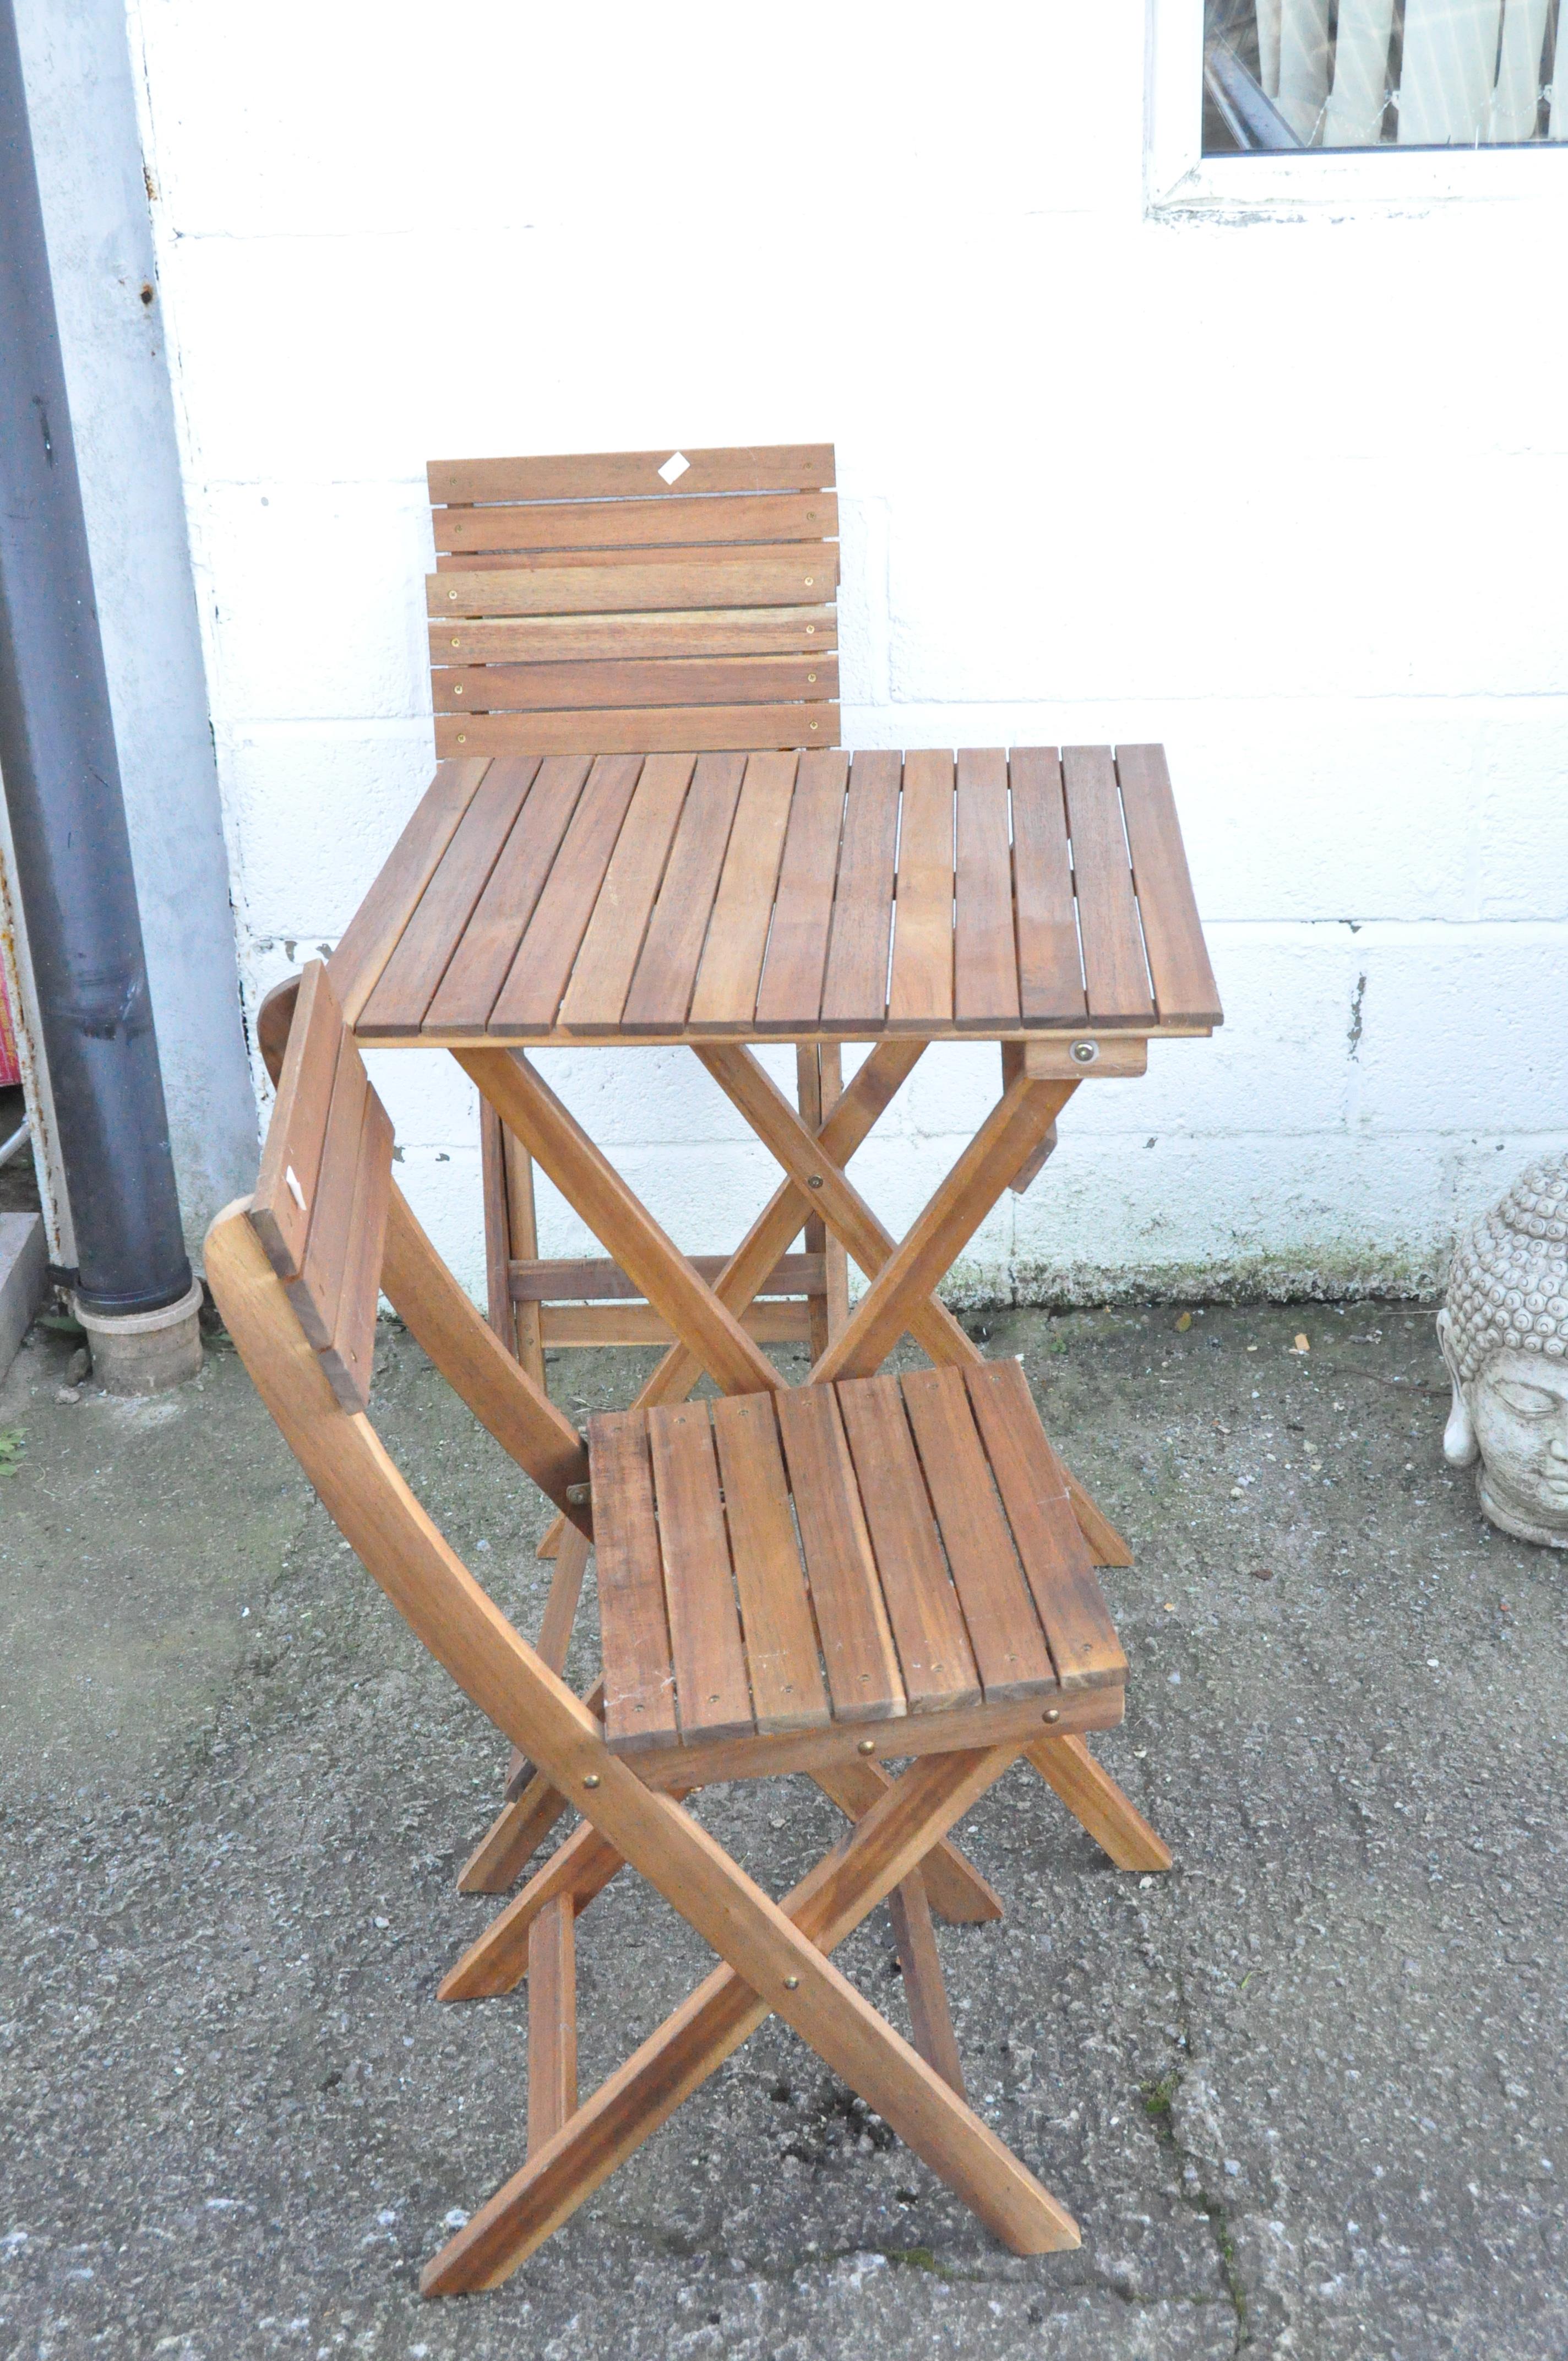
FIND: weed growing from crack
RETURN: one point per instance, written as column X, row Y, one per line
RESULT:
column 1159, row 2098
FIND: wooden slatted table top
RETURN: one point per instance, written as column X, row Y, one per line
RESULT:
column 716, row 897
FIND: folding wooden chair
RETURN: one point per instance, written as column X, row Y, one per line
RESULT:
column 810, row 1579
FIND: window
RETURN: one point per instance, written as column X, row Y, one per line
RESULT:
column 1283, row 75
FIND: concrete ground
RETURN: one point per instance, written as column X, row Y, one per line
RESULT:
column 1305, row 2095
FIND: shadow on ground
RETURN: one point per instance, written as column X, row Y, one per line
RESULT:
column 1304, row 2095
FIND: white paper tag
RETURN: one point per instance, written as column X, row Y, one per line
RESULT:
column 675, row 466
column 295, row 1191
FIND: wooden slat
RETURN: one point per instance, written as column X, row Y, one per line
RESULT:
column 633, row 524
column 712, row 1696
column 367, row 941
column 614, row 938
column 790, row 995
column 775, row 1608
column 1114, row 973
column 854, row 990
column 479, row 967
column 411, row 976
column 314, row 1294
column 726, row 991
column 662, row 988
column 1050, row 970
column 639, row 1683
column 552, row 2021
column 1009, row 1650
column 531, row 992
column 594, row 1278
column 1071, row 1607
column 349, row 1359
column 638, row 1323
column 804, row 581
column 686, row 680
column 858, row 1649
column 291, row 1161
column 593, row 639
column 985, row 958
column 1184, row 987
column 642, row 728
column 634, row 475
column 921, row 991
column 927, row 1621
column 546, row 560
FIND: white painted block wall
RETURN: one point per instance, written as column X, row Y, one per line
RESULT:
column 1290, row 495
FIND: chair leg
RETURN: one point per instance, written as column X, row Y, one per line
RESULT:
column 954, row 1887
column 552, row 2022
column 498, row 1962
column 554, row 1634
column 882, row 1850
column 931, row 2018
column 512, row 1839
column 519, row 1827
column 1093, row 1797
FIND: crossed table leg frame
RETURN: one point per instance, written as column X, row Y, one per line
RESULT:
column 899, row 1848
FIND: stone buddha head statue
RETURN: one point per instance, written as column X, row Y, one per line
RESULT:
column 1504, row 1334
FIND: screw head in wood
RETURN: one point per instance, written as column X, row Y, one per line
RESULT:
column 1083, row 1053
column 814, row 725
column 462, row 737
column 866, row 1746
column 1052, row 1713
column 452, row 596
column 810, row 580
column 811, row 631
column 592, row 1780
column 814, row 1179
column 810, row 675
column 792, row 1984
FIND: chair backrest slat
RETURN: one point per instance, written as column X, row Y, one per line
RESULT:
column 322, row 1196
column 715, row 582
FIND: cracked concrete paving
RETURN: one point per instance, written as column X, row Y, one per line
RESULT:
column 1304, row 2095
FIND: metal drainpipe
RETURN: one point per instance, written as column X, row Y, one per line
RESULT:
column 63, row 786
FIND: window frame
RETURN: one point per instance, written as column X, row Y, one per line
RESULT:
column 1181, row 181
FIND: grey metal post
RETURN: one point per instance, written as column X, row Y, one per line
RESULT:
column 63, row 786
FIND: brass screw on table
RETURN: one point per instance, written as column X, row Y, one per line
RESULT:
column 792, row 1984
column 866, row 1746
column 592, row 1780
column 1084, row 1053
column 1052, row 1713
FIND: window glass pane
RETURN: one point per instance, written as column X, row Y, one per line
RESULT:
column 1382, row 73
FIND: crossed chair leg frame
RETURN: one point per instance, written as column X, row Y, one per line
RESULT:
column 776, row 1957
